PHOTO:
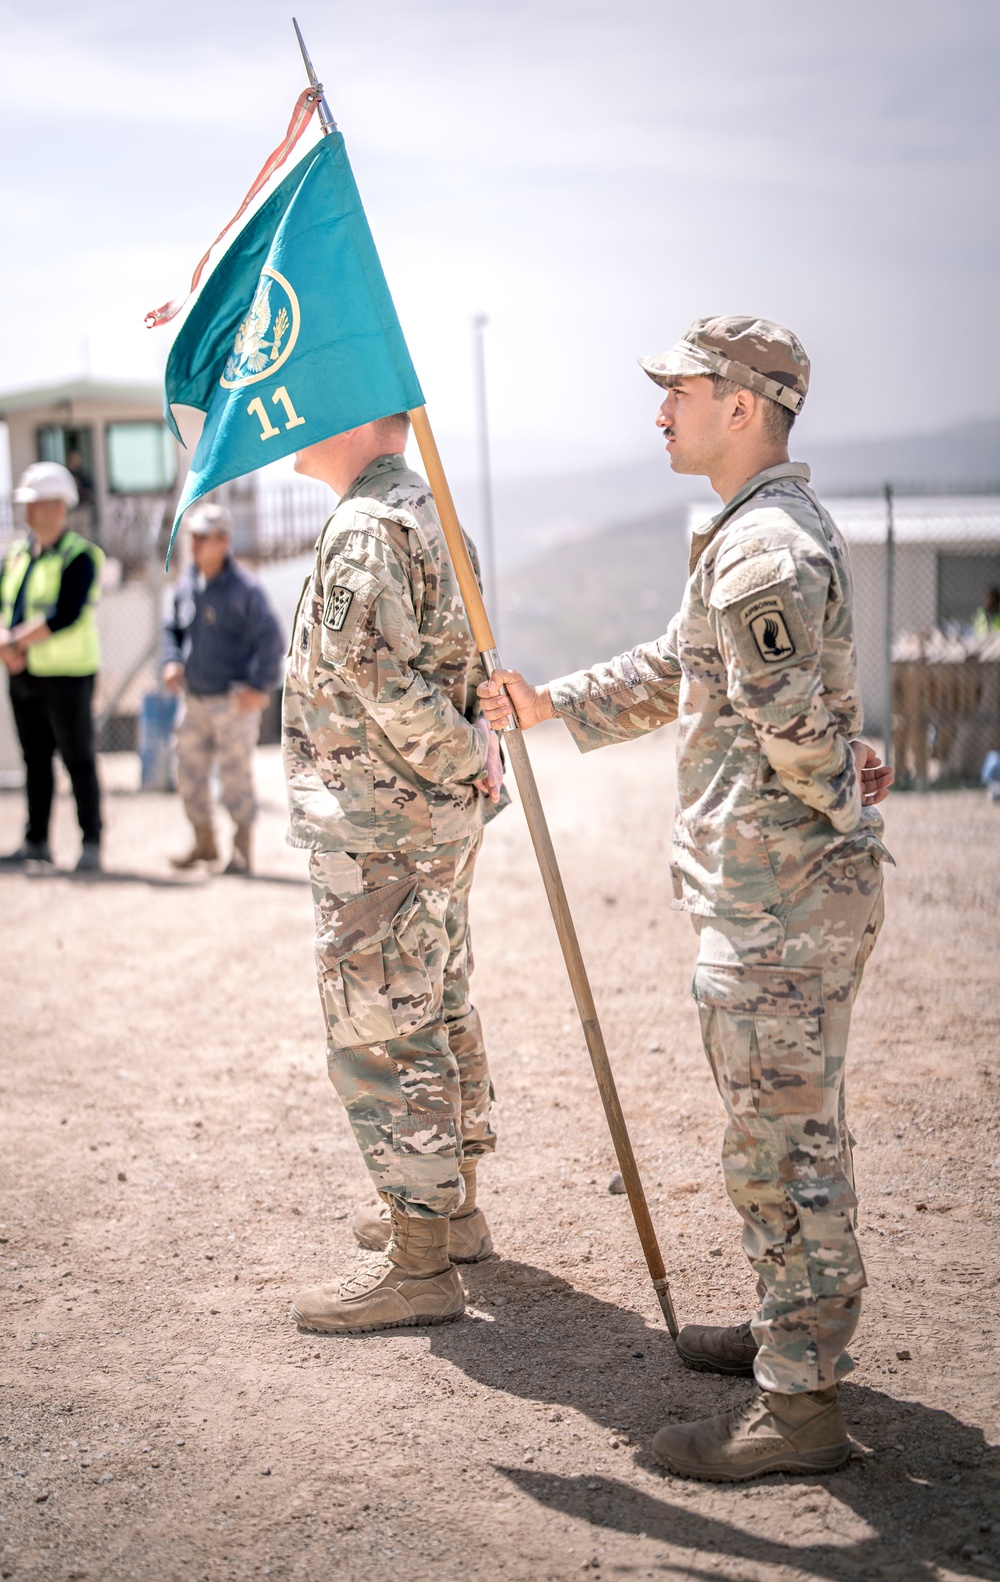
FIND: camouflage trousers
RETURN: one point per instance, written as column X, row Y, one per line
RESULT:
column 404, row 1043
column 213, row 731
column 775, row 994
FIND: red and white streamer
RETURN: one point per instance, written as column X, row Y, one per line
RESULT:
column 305, row 106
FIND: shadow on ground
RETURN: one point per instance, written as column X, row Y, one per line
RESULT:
column 923, row 1481
column 155, row 881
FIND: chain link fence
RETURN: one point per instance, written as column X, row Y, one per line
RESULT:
column 271, row 527
column 927, row 584
column 925, row 562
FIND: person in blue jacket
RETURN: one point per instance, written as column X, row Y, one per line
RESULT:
column 223, row 650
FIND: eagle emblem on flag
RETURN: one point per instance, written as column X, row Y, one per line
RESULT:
column 254, row 356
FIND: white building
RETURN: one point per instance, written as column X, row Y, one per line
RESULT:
column 945, row 553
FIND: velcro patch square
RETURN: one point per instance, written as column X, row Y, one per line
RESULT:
column 766, row 630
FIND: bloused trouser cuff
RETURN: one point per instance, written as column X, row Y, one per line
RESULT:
column 212, row 733
column 404, row 1044
column 775, row 993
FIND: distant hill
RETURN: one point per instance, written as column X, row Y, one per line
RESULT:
column 595, row 597
column 954, row 459
column 613, row 542
column 533, row 514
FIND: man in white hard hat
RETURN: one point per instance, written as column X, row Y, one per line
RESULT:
column 223, row 650
column 49, row 585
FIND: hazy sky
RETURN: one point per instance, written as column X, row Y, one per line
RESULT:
column 593, row 175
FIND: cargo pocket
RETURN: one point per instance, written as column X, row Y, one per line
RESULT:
column 352, row 945
column 425, row 1132
column 761, row 1027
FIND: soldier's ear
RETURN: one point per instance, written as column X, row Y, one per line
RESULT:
column 744, row 405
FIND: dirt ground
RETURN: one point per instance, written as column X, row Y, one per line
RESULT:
column 175, row 1164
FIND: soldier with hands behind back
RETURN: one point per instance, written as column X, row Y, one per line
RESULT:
column 777, row 855
column 391, row 777
column 222, row 651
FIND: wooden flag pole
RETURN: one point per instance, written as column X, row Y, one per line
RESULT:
column 482, row 634
column 551, row 877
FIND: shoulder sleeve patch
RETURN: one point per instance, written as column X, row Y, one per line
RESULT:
column 761, row 616
column 348, row 596
column 338, row 603
column 769, row 626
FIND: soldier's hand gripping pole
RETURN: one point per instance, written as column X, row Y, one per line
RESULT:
column 544, row 851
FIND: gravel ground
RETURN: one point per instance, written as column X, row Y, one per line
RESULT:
column 175, row 1165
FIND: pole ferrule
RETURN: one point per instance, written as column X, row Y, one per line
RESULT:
column 666, row 1306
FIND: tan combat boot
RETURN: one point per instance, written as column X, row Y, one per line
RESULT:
column 708, row 1348
column 769, row 1433
column 469, row 1239
column 241, row 861
column 203, row 850
column 416, row 1284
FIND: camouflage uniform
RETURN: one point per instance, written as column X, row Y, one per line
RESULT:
column 780, row 863
column 215, row 733
column 380, row 755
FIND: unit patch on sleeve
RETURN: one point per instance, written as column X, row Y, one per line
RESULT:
column 338, row 604
column 766, row 619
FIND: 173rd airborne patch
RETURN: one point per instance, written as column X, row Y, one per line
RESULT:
column 766, row 619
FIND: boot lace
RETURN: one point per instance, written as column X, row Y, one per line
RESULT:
column 745, row 1414
column 366, row 1279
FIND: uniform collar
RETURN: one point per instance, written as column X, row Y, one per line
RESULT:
column 375, row 469
column 202, row 583
column 223, row 571
column 785, row 469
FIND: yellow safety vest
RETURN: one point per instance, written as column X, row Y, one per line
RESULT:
column 75, row 651
column 983, row 625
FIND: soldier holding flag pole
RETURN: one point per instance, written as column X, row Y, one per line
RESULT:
column 391, row 775
column 777, row 856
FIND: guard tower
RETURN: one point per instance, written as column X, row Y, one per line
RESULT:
column 113, row 438
column 130, row 470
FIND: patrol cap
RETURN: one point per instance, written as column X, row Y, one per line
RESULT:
column 46, row 480
column 205, row 519
column 754, row 353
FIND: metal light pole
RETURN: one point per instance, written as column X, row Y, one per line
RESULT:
column 487, row 537
column 890, row 601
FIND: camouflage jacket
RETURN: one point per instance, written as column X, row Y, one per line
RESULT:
column 378, row 744
column 760, row 669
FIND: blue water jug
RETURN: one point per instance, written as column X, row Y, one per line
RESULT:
column 157, row 713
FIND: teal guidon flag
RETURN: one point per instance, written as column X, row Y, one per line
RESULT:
column 294, row 336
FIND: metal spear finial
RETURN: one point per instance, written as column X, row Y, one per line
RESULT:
column 326, row 121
